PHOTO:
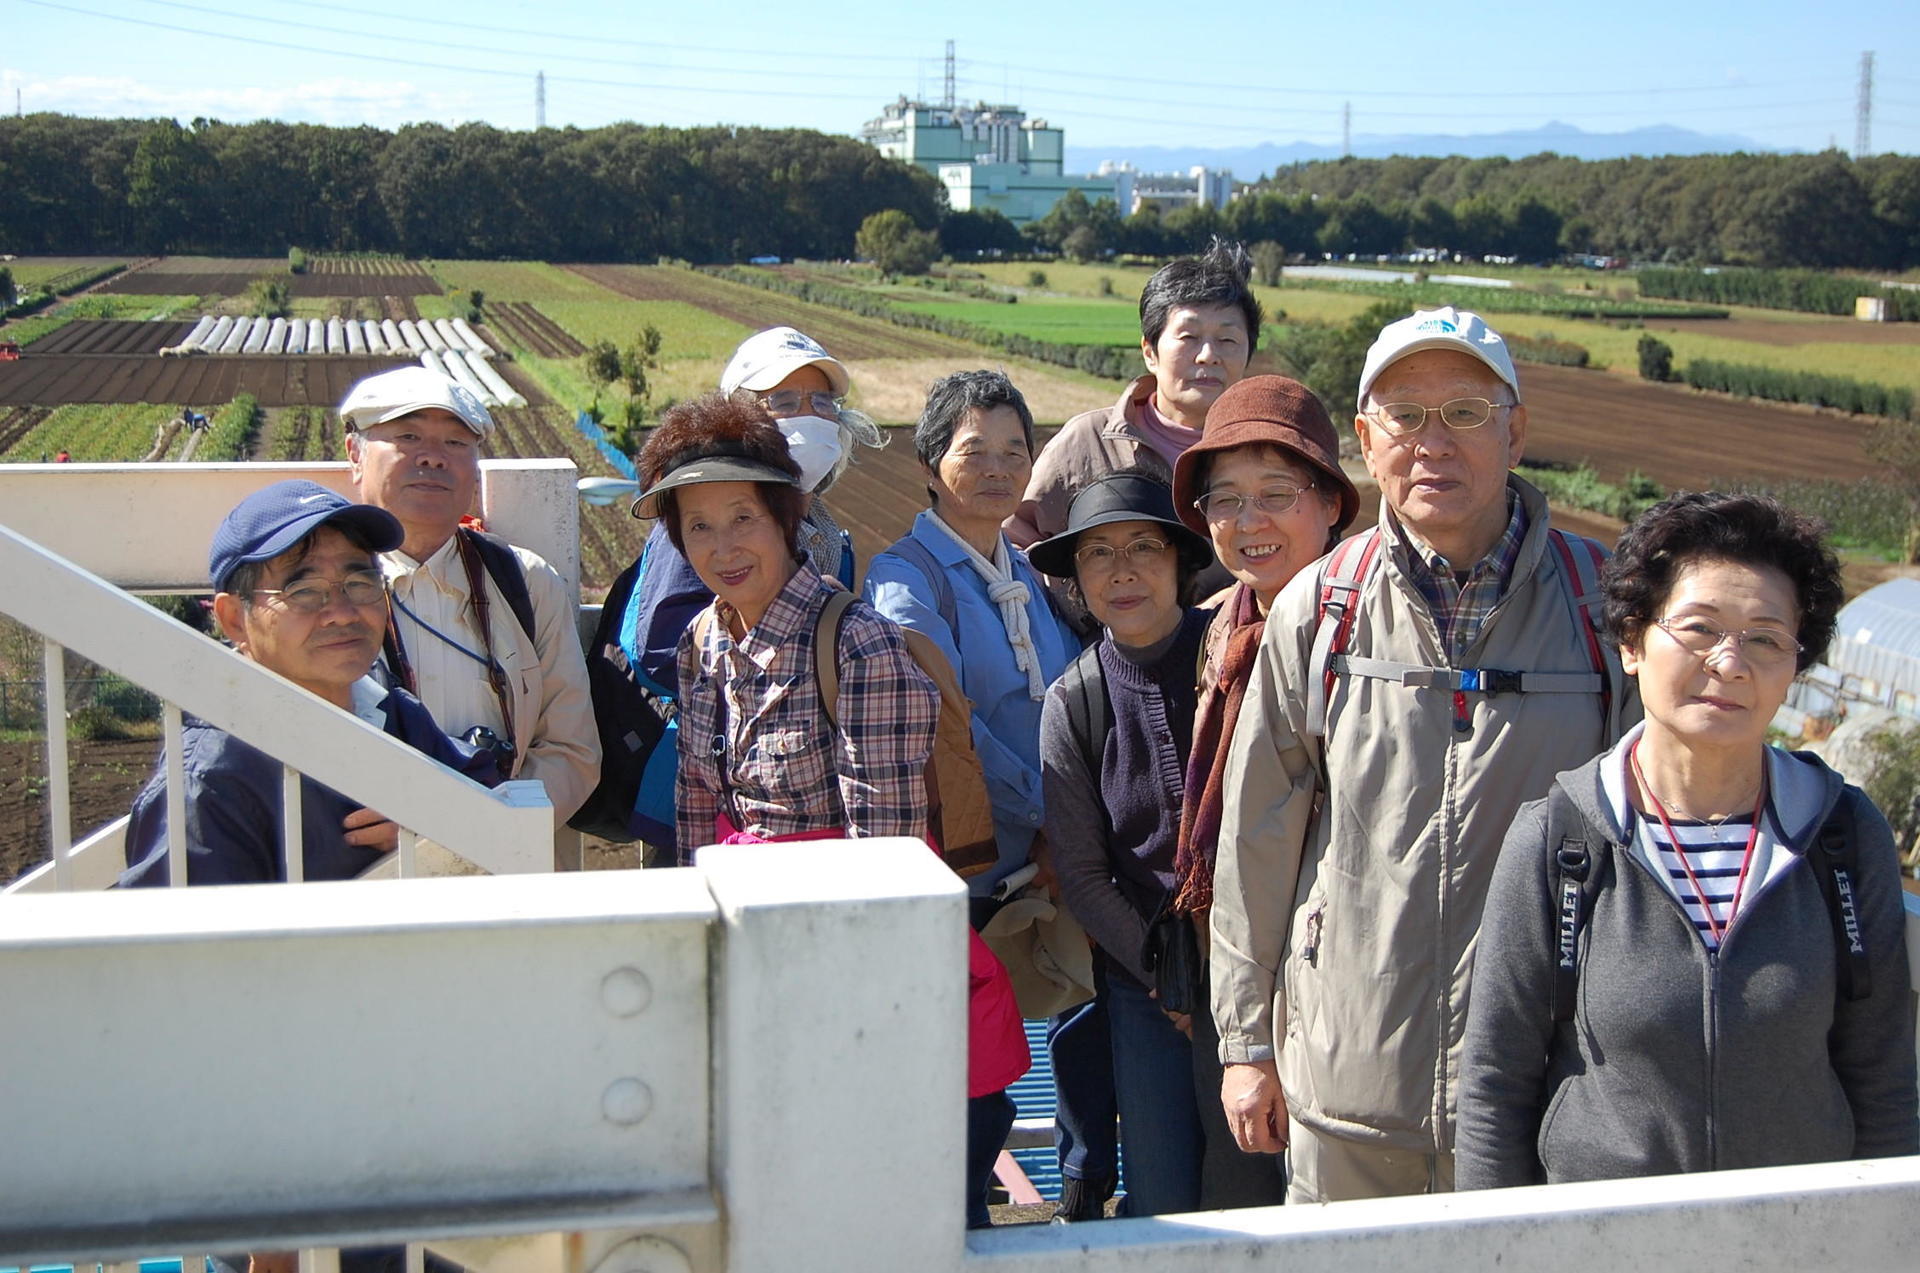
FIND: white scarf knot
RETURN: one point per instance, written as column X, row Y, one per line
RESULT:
column 1011, row 595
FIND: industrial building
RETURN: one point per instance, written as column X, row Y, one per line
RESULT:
column 989, row 156
column 1167, row 192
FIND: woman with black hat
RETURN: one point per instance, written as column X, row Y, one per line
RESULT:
column 1114, row 739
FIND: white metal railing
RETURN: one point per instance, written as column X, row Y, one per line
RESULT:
column 147, row 527
column 754, row 1064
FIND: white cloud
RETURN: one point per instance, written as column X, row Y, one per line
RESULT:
column 385, row 103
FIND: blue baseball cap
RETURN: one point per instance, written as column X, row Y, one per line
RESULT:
column 275, row 518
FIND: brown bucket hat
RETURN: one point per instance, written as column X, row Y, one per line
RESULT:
column 1266, row 411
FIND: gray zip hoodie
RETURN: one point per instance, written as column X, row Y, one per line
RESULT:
column 1677, row 1059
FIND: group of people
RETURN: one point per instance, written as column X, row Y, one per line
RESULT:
column 1451, row 853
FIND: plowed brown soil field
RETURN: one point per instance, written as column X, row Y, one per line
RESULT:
column 529, row 327
column 1682, row 437
column 160, row 283
column 1805, row 329
column 849, row 336
column 110, row 336
column 277, row 382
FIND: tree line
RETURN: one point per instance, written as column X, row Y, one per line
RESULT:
column 620, row 193
column 1820, row 210
column 633, row 193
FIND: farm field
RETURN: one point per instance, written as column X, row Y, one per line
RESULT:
column 106, row 378
column 1888, row 353
column 32, row 272
column 1062, row 320
column 90, row 432
column 517, row 281
column 97, row 307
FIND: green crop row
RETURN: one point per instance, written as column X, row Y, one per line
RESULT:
column 117, row 432
column 1509, row 300
column 1582, row 488
column 231, row 432
column 1805, row 291
column 1857, row 397
column 515, row 281
column 1561, row 353
column 1107, row 362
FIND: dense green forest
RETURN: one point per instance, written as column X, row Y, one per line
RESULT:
column 1822, row 210
column 623, row 193
column 627, row 193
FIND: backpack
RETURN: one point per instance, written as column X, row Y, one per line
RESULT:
column 638, row 721
column 504, row 568
column 959, row 812
column 1576, row 882
column 1344, row 575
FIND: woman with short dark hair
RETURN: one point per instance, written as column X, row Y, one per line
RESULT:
column 1199, row 324
column 1661, row 983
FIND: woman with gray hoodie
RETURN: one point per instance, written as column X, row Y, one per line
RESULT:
column 1693, row 956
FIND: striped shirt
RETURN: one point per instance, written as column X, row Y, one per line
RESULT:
column 1459, row 609
column 767, row 754
column 1715, row 851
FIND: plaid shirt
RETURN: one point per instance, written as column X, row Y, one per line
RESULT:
column 786, row 769
column 1460, row 610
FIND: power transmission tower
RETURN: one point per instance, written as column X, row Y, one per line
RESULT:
column 948, row 100
column 1863, row 113
column 540, row 99
column 1346, row 131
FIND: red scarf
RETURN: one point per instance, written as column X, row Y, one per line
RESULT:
column 1213, row 727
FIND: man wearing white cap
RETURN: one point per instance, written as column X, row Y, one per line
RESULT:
column 482, row 631
column 1412, row 691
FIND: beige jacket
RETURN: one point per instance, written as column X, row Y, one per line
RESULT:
column 1352, row 869
column 555, row 739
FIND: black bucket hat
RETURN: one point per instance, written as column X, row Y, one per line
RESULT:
column 1119, row 497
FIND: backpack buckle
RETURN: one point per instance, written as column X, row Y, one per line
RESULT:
column 1489, row 680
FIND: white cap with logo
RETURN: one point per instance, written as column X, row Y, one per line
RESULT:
column 1444, row 328
column 766, row 358
column 405, row 390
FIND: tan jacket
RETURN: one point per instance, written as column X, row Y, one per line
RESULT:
column 1352, row 869
column 1089, row 446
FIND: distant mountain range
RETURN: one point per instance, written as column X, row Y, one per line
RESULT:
column 1249, row 163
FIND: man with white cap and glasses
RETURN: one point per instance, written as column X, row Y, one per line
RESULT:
column 483, row 631
column 1411, row 692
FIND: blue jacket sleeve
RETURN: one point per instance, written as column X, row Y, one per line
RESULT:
column 670, row 594
column 409, row 720
column 232, row 831
column 903, row 594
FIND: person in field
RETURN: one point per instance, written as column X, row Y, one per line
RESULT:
column 1410, row 692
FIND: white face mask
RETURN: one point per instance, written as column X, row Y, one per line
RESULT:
column 815, row 446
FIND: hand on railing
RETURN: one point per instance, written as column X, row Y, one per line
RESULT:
column 370, row 830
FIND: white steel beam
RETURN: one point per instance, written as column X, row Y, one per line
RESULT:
column 272, row 1068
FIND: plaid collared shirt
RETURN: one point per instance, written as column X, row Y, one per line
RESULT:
column 1460, row 610
column 769, row 757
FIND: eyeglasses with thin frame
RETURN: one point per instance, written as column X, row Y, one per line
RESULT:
column 787, row 403
column 1404, row 419
column 1762, row 647
column 1226, row 506
column 310, row 596
column 1103, row 559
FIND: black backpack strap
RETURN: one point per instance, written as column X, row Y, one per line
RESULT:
column 1836, row 864
column 1572, row 864
column 504, row 568
column 1088, row 712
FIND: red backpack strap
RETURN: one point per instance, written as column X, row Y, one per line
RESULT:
column 1340, row 583
column 1580, row 562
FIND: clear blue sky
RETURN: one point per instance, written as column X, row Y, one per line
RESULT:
column 1781, row 72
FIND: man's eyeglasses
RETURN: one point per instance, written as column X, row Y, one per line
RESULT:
column 1103, row 559
column 1225, row 506
column 1403, row 419
column 310, row 596
column 784, row 404
column 1762, row 647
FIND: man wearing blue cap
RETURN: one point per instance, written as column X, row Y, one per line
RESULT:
column 298, row 591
